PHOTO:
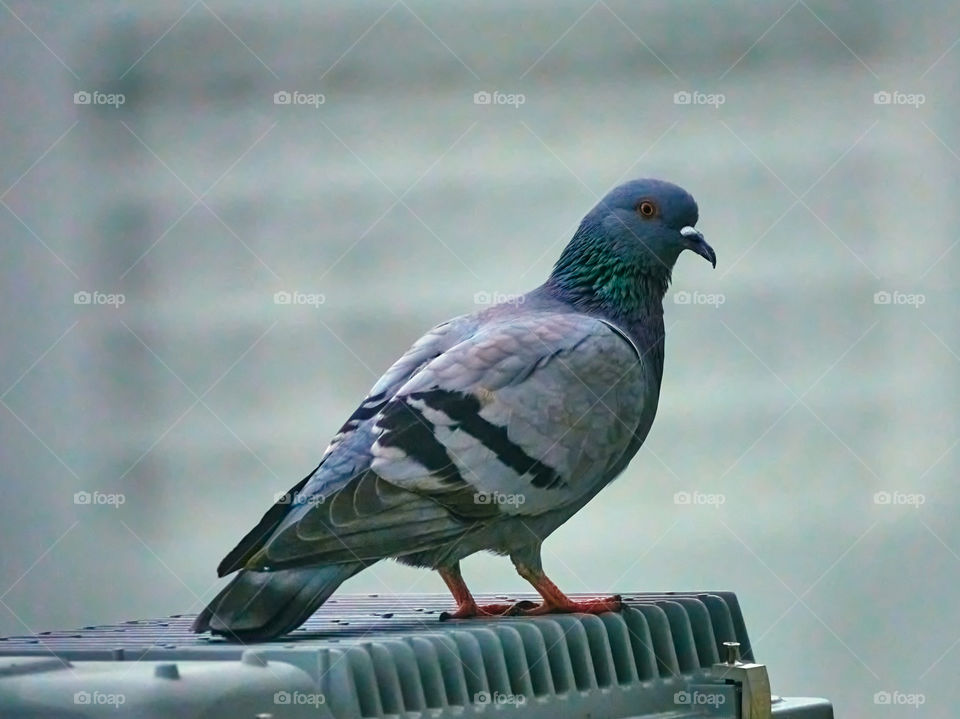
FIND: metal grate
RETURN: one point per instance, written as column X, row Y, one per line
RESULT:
column 661, row 634
column 367, row 657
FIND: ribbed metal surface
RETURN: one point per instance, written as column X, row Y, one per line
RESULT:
column 658, row 635
column 369, row 657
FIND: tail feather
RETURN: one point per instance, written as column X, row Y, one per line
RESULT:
column 255, row 538
column 257, row 606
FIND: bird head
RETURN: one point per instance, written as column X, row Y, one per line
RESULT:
column 625, row 248
column 649, row 223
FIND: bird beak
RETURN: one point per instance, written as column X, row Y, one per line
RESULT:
column 694, row 241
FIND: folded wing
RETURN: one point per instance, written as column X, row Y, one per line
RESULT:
column 519, row 417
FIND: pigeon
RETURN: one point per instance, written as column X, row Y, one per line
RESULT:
column 489, row 433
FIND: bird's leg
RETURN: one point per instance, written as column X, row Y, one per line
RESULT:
column 466, row 605
column 555, row 601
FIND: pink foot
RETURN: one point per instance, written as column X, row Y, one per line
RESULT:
column 589, row 606
column 470, row 609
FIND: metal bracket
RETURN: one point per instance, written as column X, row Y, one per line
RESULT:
column 751, row 679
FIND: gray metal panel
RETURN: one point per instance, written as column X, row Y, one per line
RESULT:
column 366, row 657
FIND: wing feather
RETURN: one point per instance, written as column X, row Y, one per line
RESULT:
column 515, row 417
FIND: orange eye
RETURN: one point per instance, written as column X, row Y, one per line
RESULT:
column 647, row 208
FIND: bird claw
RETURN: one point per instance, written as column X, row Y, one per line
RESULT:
column 518, row 609
column 526, row 608
column 588, row 606
column 471, row 610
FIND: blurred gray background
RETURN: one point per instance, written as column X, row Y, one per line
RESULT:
column 812, row 425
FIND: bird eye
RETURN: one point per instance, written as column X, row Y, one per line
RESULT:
column 646, row 208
